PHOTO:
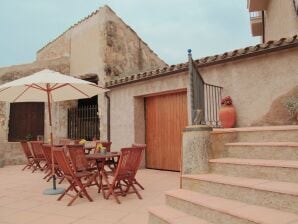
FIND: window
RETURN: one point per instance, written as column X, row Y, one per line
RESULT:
column 25, row 120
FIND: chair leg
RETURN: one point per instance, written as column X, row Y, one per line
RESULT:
column 49, row 173
column 61, row 180
column 66, row 191
column 111, row 190
column 135, row 190
column 27, row 165
column 137, row 183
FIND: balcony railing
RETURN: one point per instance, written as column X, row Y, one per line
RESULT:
column 256, row 23
column 255, row 15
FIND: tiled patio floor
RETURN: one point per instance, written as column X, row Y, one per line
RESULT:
column 22, row 201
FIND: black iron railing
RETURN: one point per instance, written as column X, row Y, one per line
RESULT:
column 83, row 122
column 204, row 98
column 212, row 104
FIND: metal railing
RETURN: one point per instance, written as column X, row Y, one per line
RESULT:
column 83, row 122
column 204, row 98
column 212, row 104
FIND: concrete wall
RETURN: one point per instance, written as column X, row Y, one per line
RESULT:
column 127, row 108
column 280, row 20
column 258, row 87
column 255, row 84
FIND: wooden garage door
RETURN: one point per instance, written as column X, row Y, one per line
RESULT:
column 166, row 117
column 25, row 119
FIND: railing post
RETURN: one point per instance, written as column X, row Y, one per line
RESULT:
column 190, row 89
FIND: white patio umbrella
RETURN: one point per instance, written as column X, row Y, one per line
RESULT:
column 48, row 86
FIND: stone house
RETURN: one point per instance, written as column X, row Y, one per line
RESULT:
column 98, row 48
column 150, row 106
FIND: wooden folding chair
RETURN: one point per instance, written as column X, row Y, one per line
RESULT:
column 47, row 150
column 65, row 141
column 81, row 164
column 28, row 155
column 143, row 146
column 128, row 163
column 75, row 179
column 38, row 156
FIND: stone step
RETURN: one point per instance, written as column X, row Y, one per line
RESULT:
column 287, row 133
column 220, row 210
column 262, row 150
column 167, row 215
column 277, row 170
column 278, row 195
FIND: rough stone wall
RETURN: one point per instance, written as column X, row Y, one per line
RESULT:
column 280, row 20
column 125, row 52
column 11, row 152
column 59, row 48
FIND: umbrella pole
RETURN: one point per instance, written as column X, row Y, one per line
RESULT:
column 52, row 140
column 54, row 190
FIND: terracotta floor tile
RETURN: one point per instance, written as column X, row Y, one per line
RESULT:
column 22, row 217
column 25, row 202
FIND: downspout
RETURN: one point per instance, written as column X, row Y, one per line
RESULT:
column 108, row 116
column 263, row 22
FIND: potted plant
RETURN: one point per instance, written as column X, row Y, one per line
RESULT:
column 82, row 141
column 101, row 149
column 292, row 106
column 227, row 113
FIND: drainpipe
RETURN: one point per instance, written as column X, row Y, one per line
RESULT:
column 263, row 22
column 108, row 116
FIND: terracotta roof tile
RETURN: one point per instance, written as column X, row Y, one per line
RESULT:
column 280, row 44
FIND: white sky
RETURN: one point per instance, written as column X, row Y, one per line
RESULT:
column 169, row 27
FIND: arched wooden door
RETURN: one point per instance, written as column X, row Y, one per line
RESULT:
column 166, row 117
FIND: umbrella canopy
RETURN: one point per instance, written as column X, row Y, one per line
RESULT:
column 48, row 86
column 34, row 88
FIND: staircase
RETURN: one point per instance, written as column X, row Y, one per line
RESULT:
column 253, row 179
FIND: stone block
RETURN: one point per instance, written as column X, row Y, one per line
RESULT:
column 196, row 149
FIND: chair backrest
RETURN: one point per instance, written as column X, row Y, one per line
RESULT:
column 63, row 161
column 105, row 144
column 65, row 141
column 129, row 162
column 26, row 149
column 47, row 151
column 78, row 157
column 37, row 151
column 139, row 145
